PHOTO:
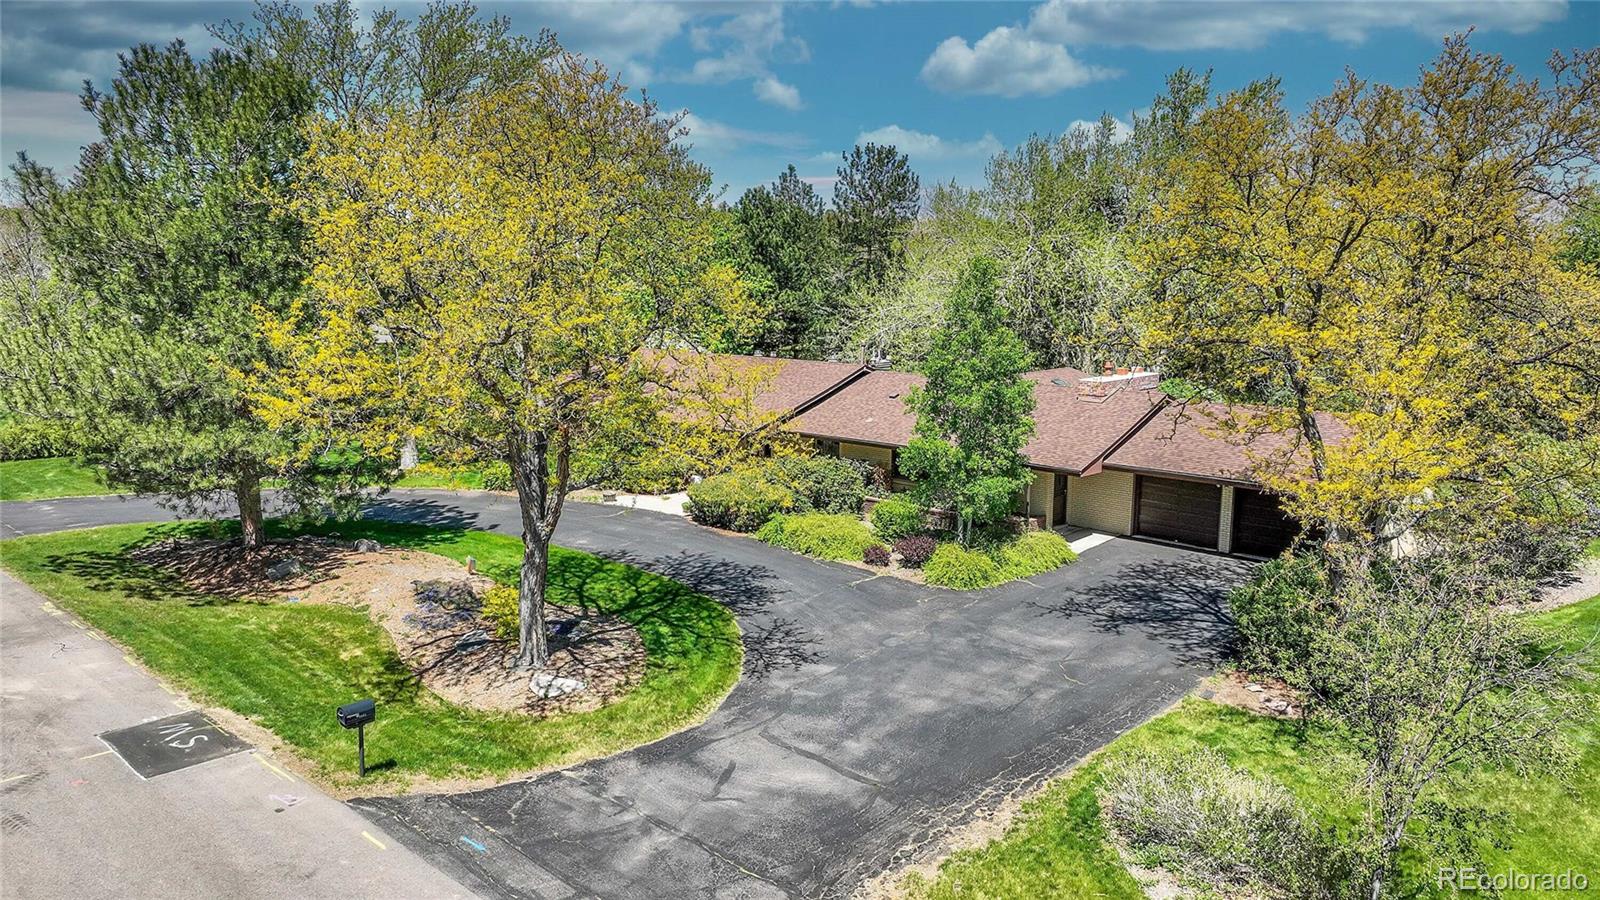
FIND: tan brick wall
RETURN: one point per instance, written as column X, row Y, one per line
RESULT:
column 1103, row 502
column 1225, row 531
column 878, row 456
column 1040, row 494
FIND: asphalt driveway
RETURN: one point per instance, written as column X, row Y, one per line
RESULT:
column 874, row 716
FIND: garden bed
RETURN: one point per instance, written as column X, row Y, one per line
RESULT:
column 432, row 611
column 285, row 666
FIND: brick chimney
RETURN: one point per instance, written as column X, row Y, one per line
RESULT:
column 1097, row 388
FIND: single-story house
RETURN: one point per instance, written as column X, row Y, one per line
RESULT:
column 1109, row 453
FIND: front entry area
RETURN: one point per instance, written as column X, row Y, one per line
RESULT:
column 1189, row 512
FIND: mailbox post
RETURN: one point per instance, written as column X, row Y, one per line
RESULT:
column 356, row 715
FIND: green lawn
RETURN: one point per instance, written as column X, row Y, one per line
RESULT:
column 430, row 476
column 288, row 666
column 41, row 479
column 1057, row 845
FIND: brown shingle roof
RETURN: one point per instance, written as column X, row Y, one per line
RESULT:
column 1069, row 433
column 1186, row 439
column 792, row 384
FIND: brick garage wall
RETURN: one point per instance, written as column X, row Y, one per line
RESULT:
column 1103, row 502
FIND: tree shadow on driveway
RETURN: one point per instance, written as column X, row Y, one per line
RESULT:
column 771, row 643
column 1180, row 602
column 420, row 511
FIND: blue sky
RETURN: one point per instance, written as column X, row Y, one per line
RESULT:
column 769, row 84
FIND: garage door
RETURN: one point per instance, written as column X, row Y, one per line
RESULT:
column 1260, row 526
column 1187, row 511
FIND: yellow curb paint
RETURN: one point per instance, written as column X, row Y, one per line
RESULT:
column 167, row 689
column 274, row 769
column 374, row 841
column 78, row 624
column 94, row 755
column 15, row 777
column 129, row 659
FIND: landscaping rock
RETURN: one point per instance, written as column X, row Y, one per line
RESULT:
column 547, row 686
column 472, row 640
column 284, row 569
column 1254, row 688
column 367, row 545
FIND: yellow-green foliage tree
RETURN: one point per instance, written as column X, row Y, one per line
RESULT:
column 1390, row 256
column 494, row 279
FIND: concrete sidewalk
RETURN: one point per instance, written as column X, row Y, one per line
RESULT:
column 76, row 822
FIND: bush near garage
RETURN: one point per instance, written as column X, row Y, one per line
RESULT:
column 876, row 555
column 1279, row 612
column 737, row 501
column 915, row 550
column 894, row 519
column 823, row 535
column 964, row 568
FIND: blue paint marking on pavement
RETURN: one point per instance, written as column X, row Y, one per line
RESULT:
column 474, row 844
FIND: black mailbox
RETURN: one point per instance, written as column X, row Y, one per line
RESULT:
column 354, row 715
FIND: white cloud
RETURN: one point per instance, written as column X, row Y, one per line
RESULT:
column 1009, row 62
column 1036, row 57
column 711, row 135
column 771, row 90
column 921, row 146
column 1226, row 24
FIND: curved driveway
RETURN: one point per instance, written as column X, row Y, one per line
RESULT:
column 874, row 716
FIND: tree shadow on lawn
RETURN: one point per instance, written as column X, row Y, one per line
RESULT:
column 771, row 643
column 117, row 570
column 1179, row 602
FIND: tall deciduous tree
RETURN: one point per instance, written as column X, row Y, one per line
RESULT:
column 975, row 411
column 1389, row 256
column 875, row 200
column 172, row 239
column 785, row 228
column 1433, row 679
column 364, row 73
column 518, row 259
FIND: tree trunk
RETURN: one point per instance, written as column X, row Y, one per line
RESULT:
column 248, row 493
column 533, row 649
column 529, row 457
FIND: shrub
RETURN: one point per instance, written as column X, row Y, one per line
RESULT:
column 497, row 476
column 915, row 550
column 955, row 566
column 1033, row 552
column 1218, row 827
column 823, row 535
column 1279, row 612
column 738, row 501
column 501, row 610
column 895, row 519
column 876, row 555
column 820, row 483
column 24, row 438
column 1029, row 554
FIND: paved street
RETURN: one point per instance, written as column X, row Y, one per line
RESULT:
column 76, row 822
column 874, row 716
